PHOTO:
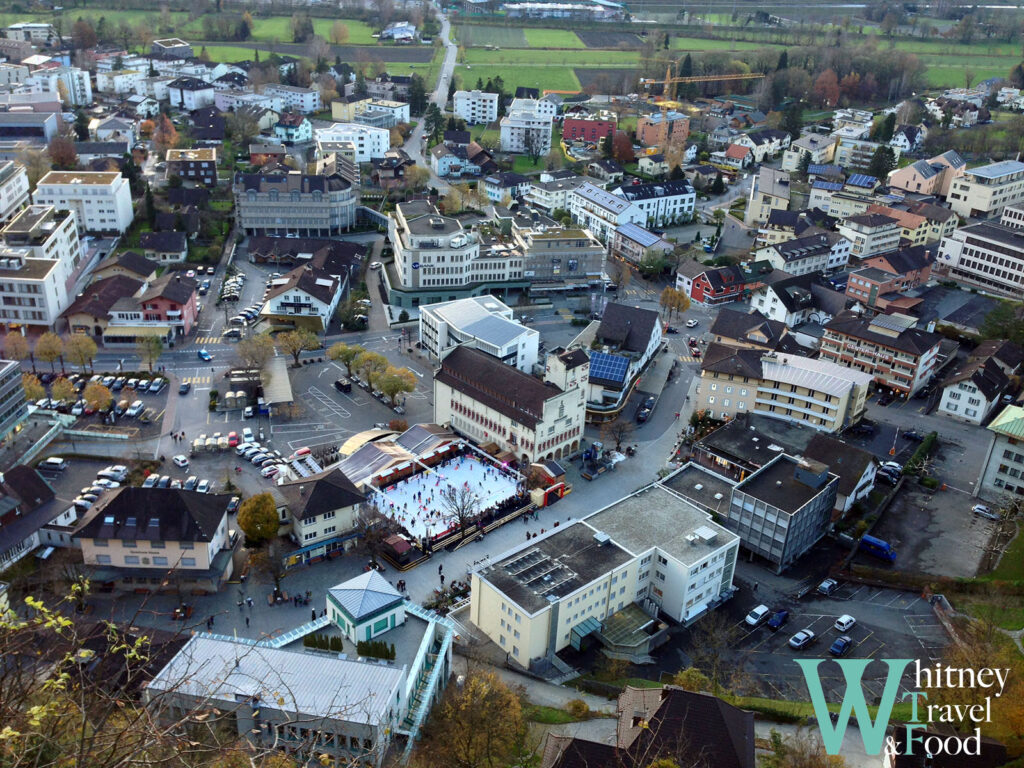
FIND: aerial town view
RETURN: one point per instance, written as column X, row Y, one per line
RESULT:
column 511, row 384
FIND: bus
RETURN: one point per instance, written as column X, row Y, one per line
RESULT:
column 883, row 550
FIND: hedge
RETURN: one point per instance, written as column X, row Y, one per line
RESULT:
column 924, row 450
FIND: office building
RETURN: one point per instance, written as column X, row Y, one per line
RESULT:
column 294, row 203
column 481, row 322
column 369, row 143
column 101, row 200
column 602, row 212
column 1002, row 472
column 989, row 256
column 13, row 189
column 985, row 191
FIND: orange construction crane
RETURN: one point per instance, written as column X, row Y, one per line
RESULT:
column 670, row 82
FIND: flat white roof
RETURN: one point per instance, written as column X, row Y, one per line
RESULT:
column 818, row 375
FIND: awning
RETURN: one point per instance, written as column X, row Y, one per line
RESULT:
column 136, row 330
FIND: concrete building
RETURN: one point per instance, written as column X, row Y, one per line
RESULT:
column 587, row 129
column 101, row 200
column 475, row 106
column 481, row 322
column 606, row 576
column 1002, row 472
column 72, row 84
column 602, row 212
column 121, row 82
column 820, row 149
column 13, row 189
column 190, row 93
column 661, row 203
column 197, row 165
column 633, row 244
column 171, row 47
column 13, row 408
column 770, row 191
column 821, row 394
column 658, row 130
column 37, row 32
column 783, row 509
column 490, row 402
column 40, row 258
column 551, row 190
column 985, row 191
column 306, row 101
column 900, row 357
column 370, row 143
column 157, row 539
column 989, row 256
column 527, row 127
column 929, row 177
column 13, row 74
column 557, row 259
column 870, row 234
column 294, row 203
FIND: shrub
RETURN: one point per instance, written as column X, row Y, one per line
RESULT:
column 924, row 450
column 578, row 708
column 930, row 482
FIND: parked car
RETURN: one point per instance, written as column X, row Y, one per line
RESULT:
column 270, row 470
column 802, row 639
column 841, row 645
column 118, row 384
column 234, row 504
column 102, row 482
column 247, row 435
column 758, row 616
column 136, row 408
column 54, row 463
column 164, row 481
column 180, row 461
column 151, row 481
column 778, row 620
column 249, row 412
column 191, row 483
column 912, row 434
column 157, row 386
column 204, row 486
column 671, row 330
column 885, row 400
column 983, row 511
column 828, row 587
column 845, row 623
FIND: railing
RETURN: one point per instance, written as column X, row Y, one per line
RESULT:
column 427, row 694
column 294, row 634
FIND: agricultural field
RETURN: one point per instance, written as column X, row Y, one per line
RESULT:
column 702, row 44
column 598, row 38
column 470, row 35
column 556, row 78
column 532, row 57
column 279, row 27
column 553, row 38
column 607, row 80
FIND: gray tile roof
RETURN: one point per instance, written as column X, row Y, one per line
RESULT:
column 365, row 595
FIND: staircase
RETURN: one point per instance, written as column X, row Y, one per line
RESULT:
column 295, row 634
column 424, row 695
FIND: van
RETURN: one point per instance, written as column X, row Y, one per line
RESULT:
column 343, row 385
column 54, row 463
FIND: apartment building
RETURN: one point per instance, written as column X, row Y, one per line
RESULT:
column 13, row 408
column 13, row 189
column 71, row 84
column 101, row 200
column 661, row 203
column 40, row 258
column 821, row 252
column 490, row 402
column 293, row 128
column 976, row 388
column 989, row 256
column 322, row 511
column 1002, row 472
column 121, row 82
column 190, row 93
column 480, row 322
column 651, row 552
column 551, row 190
column 819, row 393
column 303, row 100
column 820, row 150
column 369, row 143
column 38, row 32
column 660, row 130
column 526, row 129
column 198, row 165
column 929, row 177
column 901, row 357
column 587, row 129
column 556, row 258
column 783, row 509
column 603, row 212
column 985, row 191
column 633, row 244
column 475, row 106
column 306, row 297
column 769, row 192
column 294, row 203
column 13, row 74
column 870, row 234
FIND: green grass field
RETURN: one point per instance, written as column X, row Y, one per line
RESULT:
column 533, row 57
column 700, row 44
column 539, row 76
column 470, row 35
column 279, row 27
column 553, row 38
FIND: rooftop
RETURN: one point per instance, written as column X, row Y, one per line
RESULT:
column 1009, row 422
column 701, row 487
column 997, row 170
column 657, row 517
column 95, row 178
column 196, row 155
column 777, row 484
column 554, row 566
column 365, row 595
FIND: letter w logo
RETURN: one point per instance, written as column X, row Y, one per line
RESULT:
column 873, row 733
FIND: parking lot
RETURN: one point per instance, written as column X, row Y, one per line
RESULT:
column 890, row 624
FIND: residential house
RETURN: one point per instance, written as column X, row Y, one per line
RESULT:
column 198, row 165
column 1003, row 466
column 551, row 191
column 901, row 357
column 101, row 200
column 634, row 244
column 721, row 285
column 812, row 253
column 526, row 128
column 505, row 187
column 323, row 513
column 856, row 468
column 603, row 212
column 883, row 279
column 587, row 129
column 89, row 313
column 164, row 247
column 128, row 263
column 798, row 299
column 390, row 169
column 13, row 189
column 870, row 234
column 293, row 128
column 171, row 48
column 623, row 344
column 305, row 101
column 751, row 330
column 607, row 170
column 661, row 203
column 369, row 142
column 914, row 228
column 929, row 177
column 262, row 154
column 764, row 144
column 981, row 384
column 190, row 93
column 655, row 166
column 941, row 220
column 26, row 498
column 734, row 156
column 820, row 150
column 907, row 138
column 480, row 322
column 769, row 192
column 306, row 297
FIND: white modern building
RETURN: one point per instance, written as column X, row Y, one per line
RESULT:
column 989, row 256
column 1002, row 472
column 985, row 191
column 303, row 100
column 481, row 322
column 820, row 150
column 101, row 200
column 526, row 128
column 38, row 32
column 661, row 203
column 603, row 212
column 370, row 143
column 190, row 93
column 71, row 84
column 13, row 189
column 870, row 234
column 649, row 553
column 546, row 106
column 119, row 82
column 475, row 106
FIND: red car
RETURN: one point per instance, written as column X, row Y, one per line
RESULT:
column 232, row 439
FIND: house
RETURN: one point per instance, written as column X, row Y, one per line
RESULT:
column 506, row 186
column 306, row 297
column 92, row 151
column 890, row 273
column 972, row 391
column 985, row 191
column 262, row 154
column 634, row 244
column 720, row 285
column 764, row 144
column 369, row 142
column 142, row 106
column 769, row 192
column 734, row 156
column 929, row 177
column 90, row 312
column 526, row 128
column 821, row 394
column 606, row 169
column 113, row 129
column 855, row 467
column 907, row 138
column 452, row 161
column 190, row 93
column 798, row 299
column 551, row 191
column 623, row 344
column 481, row 397
column 13, row 189
column 399, row 31
column 26, row 498
column 171, row 300
column 662, row 129
column 128, row 263
column 293, row 128
column 661, row 203
column 942, row 222
column 198, row 165
column 480, row 322
column 334, row 256
column 900, row 356
column 323, row 513
column 870, row 234
column 819, row 149
column 653, row 165
column 132, row 536
column 914, row 228
column 164, row 247
column 812, row 253
column 390, row 169
column 666, row 720
column 1004, row 461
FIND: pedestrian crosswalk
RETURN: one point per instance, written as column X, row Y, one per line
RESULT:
column 195, row 380
column 688, row 359
column 207, row 341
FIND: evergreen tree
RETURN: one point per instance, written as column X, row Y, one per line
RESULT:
column 417, row 94
column 883, row 161
column 793, row 119
column 479, row 83
column 886, row 129
column 81, row 126
column 783, row 61
column 361, row 90
column 718, row 185
column 689, row 90
column 150, row 208
column 805, row 164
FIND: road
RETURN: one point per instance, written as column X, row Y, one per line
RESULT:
column 415, row 144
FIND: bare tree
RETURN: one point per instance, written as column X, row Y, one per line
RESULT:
column 372, row 527
column 617, row 432
column 460, row 506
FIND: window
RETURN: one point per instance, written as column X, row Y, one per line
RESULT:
column 100, row 542
column 189, row 562
column 131, row 559
column 159, row 561
column 128, row 544
column 103, row 559
column 157, row 545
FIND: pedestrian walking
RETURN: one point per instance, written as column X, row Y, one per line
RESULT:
column 314, row 615
column 248, row 601
column 210, row 621
column 442, row 579
column 247, row 622
column 239, row 605
column 440, row 567
column 755, row 586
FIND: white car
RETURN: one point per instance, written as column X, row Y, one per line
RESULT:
column 108, row 484
column 240, row 450
column 247, row 436
column 692, row 323
column 203, row 487
column 758, row 615
column 983, row 511
column 845, row 622
column 181, row 460
column 270, row 470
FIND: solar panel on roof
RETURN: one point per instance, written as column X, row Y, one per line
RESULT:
column 862, row 180
column 608, row 367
